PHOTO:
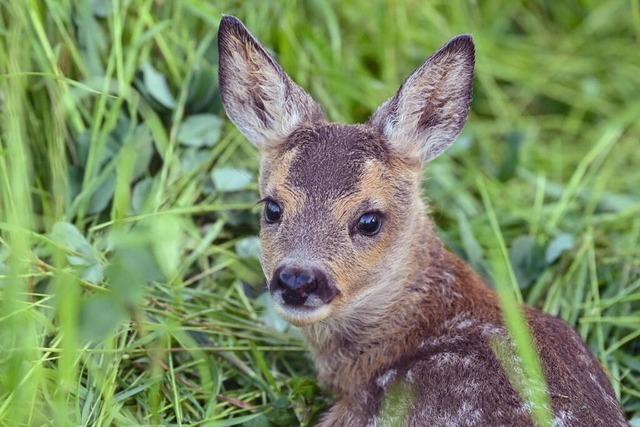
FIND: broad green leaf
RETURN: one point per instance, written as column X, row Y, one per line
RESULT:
column 561, row 243
column 527, row 259
column 200, row 130
column 143, row 142
column 248, row 247
column 230, row 179
column 99, row 316
column 94, row 273
column 83, row 256
column 130, row 270
column 192, row 158
column 75, row 182
column 203, row 89
column 156, row 84
column 102, row 196
column 269, row 316
column 101, row 8
column 91, row 38
column 69, row 236
column 167, row 245
column 140, row 194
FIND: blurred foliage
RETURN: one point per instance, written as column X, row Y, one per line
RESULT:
column 130, row 286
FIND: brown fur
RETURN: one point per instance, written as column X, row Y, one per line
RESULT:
column 406, row 310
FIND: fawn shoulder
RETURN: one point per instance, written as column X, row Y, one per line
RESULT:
column 351, row 256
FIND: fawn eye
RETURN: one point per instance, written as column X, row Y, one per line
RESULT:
column 272, row 211
column 369, row 224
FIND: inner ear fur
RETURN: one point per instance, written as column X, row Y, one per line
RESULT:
column 257, row 95
column 429, row 110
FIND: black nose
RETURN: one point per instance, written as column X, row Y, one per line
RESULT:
column 297, row 283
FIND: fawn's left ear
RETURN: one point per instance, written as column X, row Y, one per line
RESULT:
column 258, row 96
column 431, row 106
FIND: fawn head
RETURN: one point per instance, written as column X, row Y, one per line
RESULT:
column 341, row 202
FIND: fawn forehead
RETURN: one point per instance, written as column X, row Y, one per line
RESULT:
column 329, row 161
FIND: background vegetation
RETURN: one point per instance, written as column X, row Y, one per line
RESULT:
column 130, row 291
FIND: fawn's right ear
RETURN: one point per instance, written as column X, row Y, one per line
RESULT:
column 258, row 96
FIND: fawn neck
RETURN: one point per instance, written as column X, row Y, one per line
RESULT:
column 350, row 350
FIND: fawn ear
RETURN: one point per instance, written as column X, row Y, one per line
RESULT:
column 431, row 106
column 258, row 96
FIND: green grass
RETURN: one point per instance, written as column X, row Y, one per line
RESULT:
column 130, row 292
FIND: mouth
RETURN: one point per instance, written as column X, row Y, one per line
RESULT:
column 313, row 310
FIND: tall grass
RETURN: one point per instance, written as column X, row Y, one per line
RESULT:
column 130, row 291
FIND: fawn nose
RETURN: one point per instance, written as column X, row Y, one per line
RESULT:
column 298, row 283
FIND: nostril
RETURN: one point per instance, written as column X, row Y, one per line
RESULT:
column 287, row 278
column 297, row 280
column 323, row 288
column 305, row 281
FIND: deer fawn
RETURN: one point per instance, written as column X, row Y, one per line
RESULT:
column 352, row 259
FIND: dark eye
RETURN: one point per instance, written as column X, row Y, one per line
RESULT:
column 369, row 223
column 272, row 211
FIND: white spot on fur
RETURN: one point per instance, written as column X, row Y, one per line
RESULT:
column 440, row 340
column 563, row 419
column 467, row 414
column 468, row 361
column 467, row 323
column 491, row 330
column 385, row 379
column 446, row 358
column 460, row 321
column 410, row 375
column 526, row 408
column 449, row 358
